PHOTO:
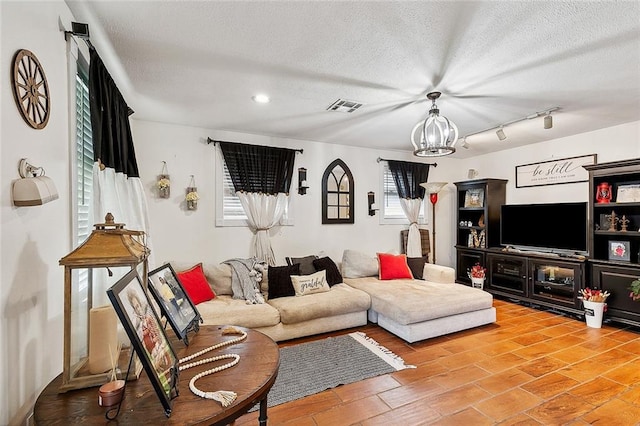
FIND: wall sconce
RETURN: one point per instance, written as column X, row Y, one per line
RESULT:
column 302, row 181
column 371, row 199
column 34, row 188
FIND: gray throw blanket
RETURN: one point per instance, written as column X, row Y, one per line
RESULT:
column 246, row 276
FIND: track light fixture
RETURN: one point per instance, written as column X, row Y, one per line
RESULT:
column 548, row 124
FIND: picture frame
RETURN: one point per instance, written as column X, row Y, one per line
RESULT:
column 175, row 305
column 148, row 338
column 620, row 251
column 474, row 198
column 628, row 193
column 554, row 172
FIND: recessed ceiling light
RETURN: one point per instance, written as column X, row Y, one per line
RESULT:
column 261, row 99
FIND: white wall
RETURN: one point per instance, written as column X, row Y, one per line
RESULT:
column 192, row 236
column 33, row 239
column 179, row 234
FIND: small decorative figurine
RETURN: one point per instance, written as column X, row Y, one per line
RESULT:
column 624, row 222
column 603, row 193
column 613, row 219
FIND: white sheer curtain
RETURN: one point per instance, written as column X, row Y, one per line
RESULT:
column 263, row 211
column 411, row 209
column 124, row 198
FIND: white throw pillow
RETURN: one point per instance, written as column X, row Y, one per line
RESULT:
column 309, row 284
column 356, row 264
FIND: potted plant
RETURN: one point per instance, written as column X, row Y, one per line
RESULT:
column 477, row 274
column 594, row 306
column 635, row 290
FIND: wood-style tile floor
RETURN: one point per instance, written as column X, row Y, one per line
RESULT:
column 531, row 367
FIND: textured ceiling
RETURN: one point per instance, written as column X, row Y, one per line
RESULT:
column 198, row 63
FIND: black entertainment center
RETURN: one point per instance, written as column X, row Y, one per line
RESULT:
column 543, row 254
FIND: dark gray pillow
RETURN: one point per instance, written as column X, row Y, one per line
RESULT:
column 333, row 274
column 306, row 264
column 280, row 280
column 416, row 264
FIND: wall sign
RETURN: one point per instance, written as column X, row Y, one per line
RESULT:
column 554, row 172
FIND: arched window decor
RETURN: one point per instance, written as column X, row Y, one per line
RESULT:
column 337, row 194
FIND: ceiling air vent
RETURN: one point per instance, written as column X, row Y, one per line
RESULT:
column 343, row 105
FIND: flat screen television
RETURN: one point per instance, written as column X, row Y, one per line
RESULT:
column 556, row 227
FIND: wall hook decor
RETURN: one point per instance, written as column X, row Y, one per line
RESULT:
column 192, row 196
column 164, row 183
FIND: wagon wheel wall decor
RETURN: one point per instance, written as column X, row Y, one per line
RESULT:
column 30, row 89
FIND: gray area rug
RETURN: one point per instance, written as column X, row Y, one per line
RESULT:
column 310, row 368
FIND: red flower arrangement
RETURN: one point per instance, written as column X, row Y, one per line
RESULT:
column 598, row 296
column 477, row 271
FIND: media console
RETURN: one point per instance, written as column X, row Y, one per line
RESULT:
column 539, row 278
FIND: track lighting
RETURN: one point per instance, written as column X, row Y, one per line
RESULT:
column 548, row 124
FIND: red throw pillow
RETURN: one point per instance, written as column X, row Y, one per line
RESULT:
column 195, row 284
column 393, row 266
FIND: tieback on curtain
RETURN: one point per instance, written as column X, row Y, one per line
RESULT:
column 262, row 229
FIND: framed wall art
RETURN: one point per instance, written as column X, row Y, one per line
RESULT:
column 174, row 304
column 620, row 251
column 147, row 336
column 628, row 193
column 474, row 198
column 554, row 172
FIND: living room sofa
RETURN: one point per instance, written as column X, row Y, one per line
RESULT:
column 282, row 318
column 415, row 309
column 412, row 309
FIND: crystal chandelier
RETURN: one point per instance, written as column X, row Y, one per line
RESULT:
column 436, row 135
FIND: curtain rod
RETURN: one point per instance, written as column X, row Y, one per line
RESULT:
column 214, row 142
column 428, row 164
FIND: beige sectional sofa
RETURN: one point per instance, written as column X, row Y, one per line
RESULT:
column 283, row 318
column 418, row 309
column 412, row 309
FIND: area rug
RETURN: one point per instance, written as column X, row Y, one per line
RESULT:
column 310, row 368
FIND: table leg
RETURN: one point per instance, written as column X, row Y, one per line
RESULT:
column 262, row 420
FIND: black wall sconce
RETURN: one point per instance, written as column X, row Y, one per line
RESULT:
column 302, row 181
column 371, row 199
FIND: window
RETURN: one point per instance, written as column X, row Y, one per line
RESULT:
column 84, row 156
column 229, row 211
column 391, row 211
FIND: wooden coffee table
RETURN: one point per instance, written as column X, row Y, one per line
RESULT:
column 251, row 379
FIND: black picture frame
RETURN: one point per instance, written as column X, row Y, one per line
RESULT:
column 148, row 339
column 175, row 305
column 620, row 251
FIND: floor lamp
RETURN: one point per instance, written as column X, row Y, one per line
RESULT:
column 433, row 188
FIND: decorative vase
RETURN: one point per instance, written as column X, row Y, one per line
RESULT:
column 593, row 312
column 477, row 282
column 192, row 205
column 165, row 190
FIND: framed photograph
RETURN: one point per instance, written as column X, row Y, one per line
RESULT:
column 474, row 198
column 174, row 304
column 554, row 172
column 620, row 251
column 147, row 336
column 628, row 193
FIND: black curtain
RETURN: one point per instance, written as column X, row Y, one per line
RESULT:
column 256, row 168
column 408, row 176
column 111, row 133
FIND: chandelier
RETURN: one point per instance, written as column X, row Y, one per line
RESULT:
column 436, row 135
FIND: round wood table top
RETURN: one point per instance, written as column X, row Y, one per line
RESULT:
column 251, row 379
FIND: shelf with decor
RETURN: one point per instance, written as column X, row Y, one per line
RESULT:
column 477, row 222
column 614, row 234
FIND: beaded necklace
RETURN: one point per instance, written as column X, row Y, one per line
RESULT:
column 224, row 397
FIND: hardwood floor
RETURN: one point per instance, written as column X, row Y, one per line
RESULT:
column 531, row 367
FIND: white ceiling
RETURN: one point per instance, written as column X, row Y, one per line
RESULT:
column 199, row 63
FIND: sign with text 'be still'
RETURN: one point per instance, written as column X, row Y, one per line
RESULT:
column 554, row 172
